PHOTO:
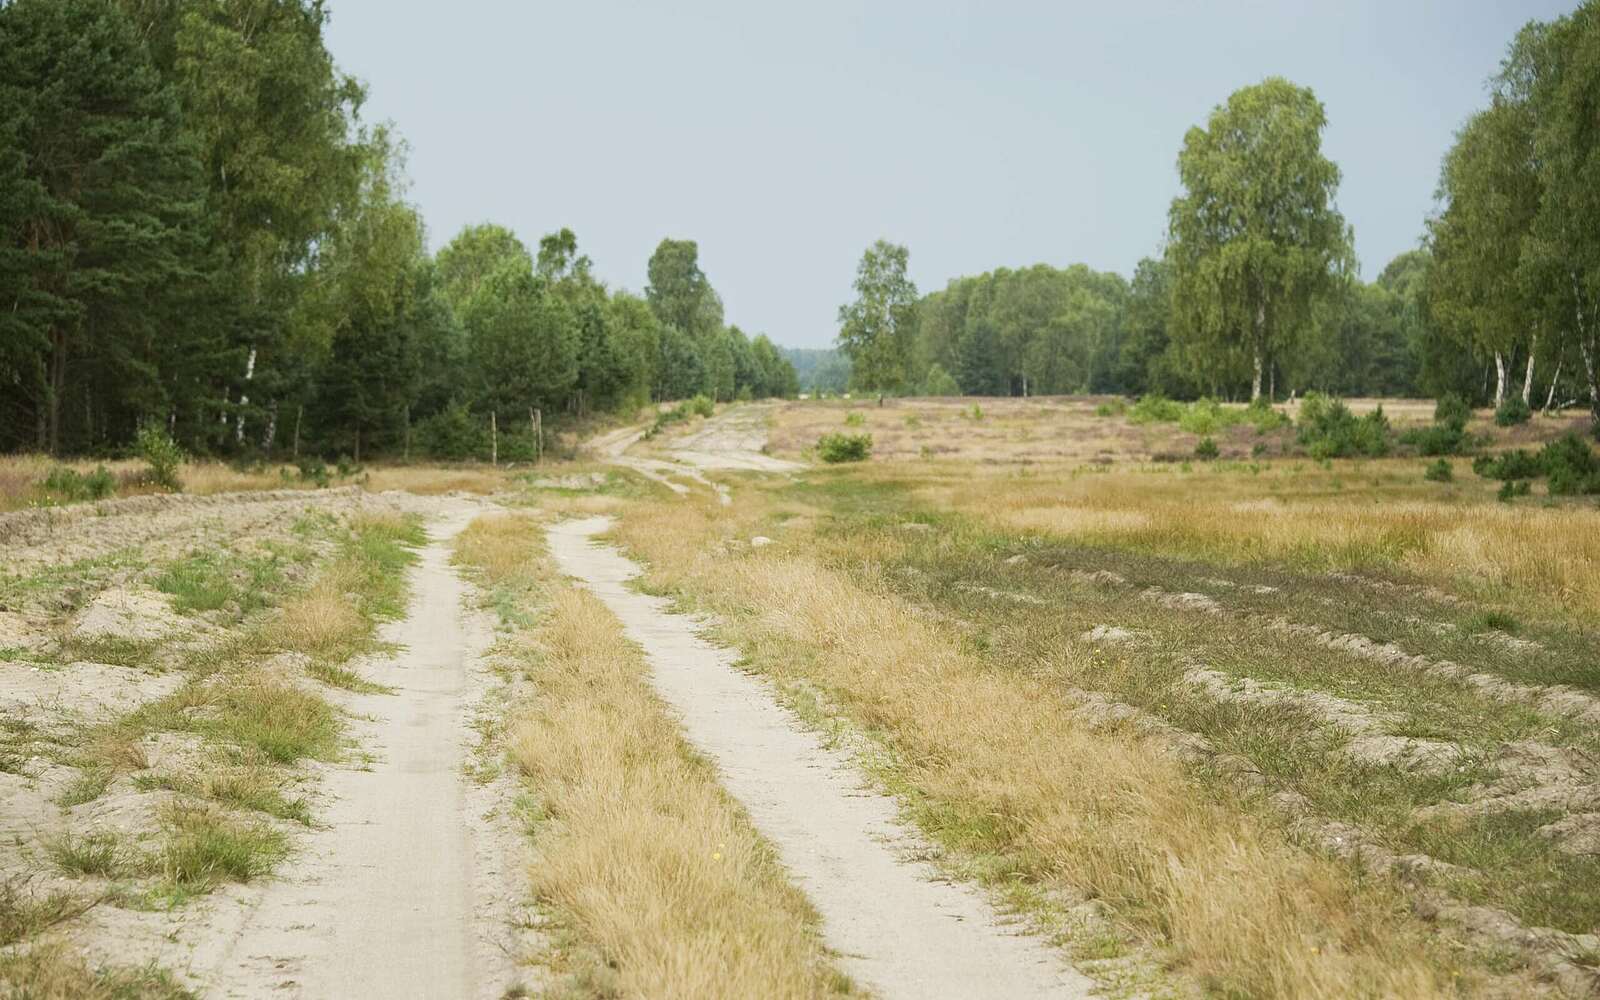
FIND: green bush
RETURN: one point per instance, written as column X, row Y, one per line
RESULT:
column 314, row 470
column 1329, row 430
column 940, row 382
column 1205, row 416
column 1115, row 408
column 1512, row 412
column 1509, row 465
column 1512, row 488
column 1155, row 408
column 1264, row 416
column 162, row 456
column 453, row 434
column 1440, row 439
column 1439, row 472
column 702, row 406
column 1568, row 461
column 1206, row 450
column 1571, row 466
column 1452, row 411
column 70, row 484
column 854, row 419
column 844, row 447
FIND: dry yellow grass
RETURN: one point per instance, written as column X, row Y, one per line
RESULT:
column 322, row 620
column 430, row 480
column 641, row 852
column 501, row 548
column 1354, row 516
column 1001, row 757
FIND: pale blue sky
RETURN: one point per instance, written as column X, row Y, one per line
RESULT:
column 785, row 139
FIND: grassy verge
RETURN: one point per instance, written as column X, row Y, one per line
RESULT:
column 1191, row 865
column 656, row 883
column 246, row 725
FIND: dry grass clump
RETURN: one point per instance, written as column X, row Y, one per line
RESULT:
column 430, row 480
column 322, row 621
column 503, row 548
column 24, row 913
column 642, row 852
column 53, row 971
column 1374, row 516
column 998, row 764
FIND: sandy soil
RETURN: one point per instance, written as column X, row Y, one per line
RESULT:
column 405, row 888
column 733, row 439
column 899, row 928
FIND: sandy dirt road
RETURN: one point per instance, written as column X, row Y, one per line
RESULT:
column 731, row 440
column 899, row 927
column 403, row 890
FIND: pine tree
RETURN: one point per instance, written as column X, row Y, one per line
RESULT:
column 105, row 218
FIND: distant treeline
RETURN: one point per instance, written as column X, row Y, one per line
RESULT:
column 198, row 232
column 1256, row 292
column 820, row 370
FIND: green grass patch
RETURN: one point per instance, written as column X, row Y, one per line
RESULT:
column 24, row 914
column 54, row 972
column 204, row 848
column 101, row 854
column 212, row 580
column 345, row 679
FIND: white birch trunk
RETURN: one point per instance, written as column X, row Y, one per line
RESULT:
column 1527, row 379
column 244, row 397
column 1499, row 379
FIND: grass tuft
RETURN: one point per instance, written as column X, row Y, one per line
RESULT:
column 205, row 847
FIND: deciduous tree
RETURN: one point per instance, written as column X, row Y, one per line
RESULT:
column 1255, row 239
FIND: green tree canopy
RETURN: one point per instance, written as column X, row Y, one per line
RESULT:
column 1255, row 239
column 877, row 329
column 679, row 292
column 101, row 220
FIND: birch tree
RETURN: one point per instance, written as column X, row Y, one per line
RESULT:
column 1255, row 240
column 876, row 330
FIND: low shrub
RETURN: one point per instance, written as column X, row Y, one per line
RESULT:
column 844, row 447
column 1439, row 472
column 1512, row 488
column 702, row 406
column 71, row 485
column 161, row 455
column 854, row 419
column 1568, row 461
column 1511, row 412
column 1509, row 465
column 1571, row 465
column 452, row 434
column 1205, row 416
column 1452, row 411
column 1440, row 439
column 1264, row 416
column 1115, row 408
column 1206, row 450
column 1329, row 430
column 1155, row 408
column 940, row 383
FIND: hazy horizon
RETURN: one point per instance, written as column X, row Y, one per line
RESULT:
column 784, row 142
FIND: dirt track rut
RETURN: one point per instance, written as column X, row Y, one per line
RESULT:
column 897, row 925
column 402, row 891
